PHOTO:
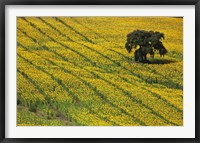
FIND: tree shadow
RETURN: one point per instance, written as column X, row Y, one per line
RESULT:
column 157, row 61
column 161, row 61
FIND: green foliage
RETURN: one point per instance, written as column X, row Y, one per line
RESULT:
column 32, row 106
column 147, row 41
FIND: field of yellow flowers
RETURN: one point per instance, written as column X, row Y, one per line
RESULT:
column 75, row 71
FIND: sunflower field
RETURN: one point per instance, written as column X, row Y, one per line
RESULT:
column 75, row 71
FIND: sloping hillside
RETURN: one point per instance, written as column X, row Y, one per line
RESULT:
column 76, row 71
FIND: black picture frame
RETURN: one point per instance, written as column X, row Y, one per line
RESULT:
column 3, row 4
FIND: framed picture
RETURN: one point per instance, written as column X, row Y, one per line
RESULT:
column 100, row 71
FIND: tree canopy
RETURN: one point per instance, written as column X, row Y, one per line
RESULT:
column 145, row 42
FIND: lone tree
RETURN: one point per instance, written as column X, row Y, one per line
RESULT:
column 145, row 42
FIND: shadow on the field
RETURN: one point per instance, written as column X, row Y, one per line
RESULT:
column 161, row 61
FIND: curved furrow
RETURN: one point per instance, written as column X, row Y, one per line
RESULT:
column 91, row 49
column 116, row 63
column 86, row 38
column 130, row 96
column 154, row 72
column 61, row 33
column 33, row 39
column 97, row 34
column 126, row 93
column 60, row 82
column 66, row 46
column 170, row 81
column 163, row 99
column 106, row 57
column 97, row 92
column 137, row 75
column 44, row 94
